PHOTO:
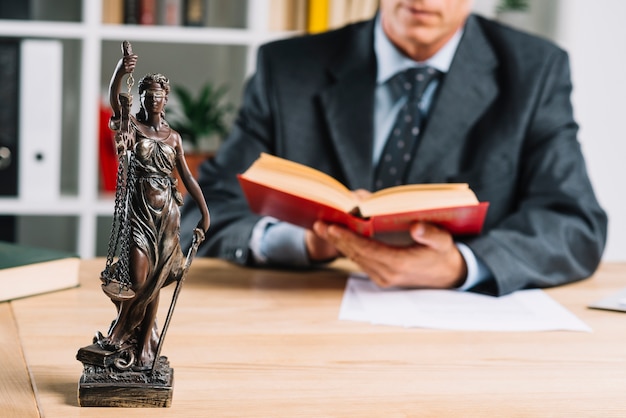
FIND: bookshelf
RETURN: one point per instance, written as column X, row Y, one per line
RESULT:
column 79, row 219
column 222, row 51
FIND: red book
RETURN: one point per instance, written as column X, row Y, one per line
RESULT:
column 300, row 195
column 147, row 12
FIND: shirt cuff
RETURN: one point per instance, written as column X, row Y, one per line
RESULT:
column 477, row 271
column 275, row 242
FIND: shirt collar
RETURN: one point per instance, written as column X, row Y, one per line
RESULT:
column 391, row 61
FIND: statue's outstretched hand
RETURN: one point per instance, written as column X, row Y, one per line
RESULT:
column 198, row 235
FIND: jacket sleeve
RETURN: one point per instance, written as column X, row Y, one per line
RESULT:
column 557, row 232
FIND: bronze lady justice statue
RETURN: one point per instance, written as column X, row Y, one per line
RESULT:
column 146, row 225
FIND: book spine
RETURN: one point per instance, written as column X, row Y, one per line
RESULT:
column 278, row 15
column 194, row 13
column 113, row 12
column 146, row 13
column 170, row 12
column 362, row 9
column 318, row 16
column 338, row 14
column 131, row 12
column 300, row 14
column 40, row 115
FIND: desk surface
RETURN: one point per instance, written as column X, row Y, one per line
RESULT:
column 268, row 343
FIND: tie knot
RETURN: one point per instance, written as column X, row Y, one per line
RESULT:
column 413, row 82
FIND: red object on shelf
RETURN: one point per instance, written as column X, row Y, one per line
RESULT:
column 106, row 151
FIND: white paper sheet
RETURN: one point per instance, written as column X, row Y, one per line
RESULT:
column 525, row 310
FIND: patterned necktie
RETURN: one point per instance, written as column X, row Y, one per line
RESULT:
column 400, row 145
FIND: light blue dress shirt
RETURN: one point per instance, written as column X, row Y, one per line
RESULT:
column 283, row 243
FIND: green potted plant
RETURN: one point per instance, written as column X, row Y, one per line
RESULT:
column 514, row 13
column 201, row 119
column 511, row 5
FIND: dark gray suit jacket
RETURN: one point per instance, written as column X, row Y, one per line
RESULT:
column 502, row 121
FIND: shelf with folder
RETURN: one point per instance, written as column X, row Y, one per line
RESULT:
column 222, row 51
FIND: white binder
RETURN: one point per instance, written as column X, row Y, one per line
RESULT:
column 40, row 116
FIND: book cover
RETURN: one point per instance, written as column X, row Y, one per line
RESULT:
column 298, row 210
column 113, row 12
column 27, row 271
column 318, row 16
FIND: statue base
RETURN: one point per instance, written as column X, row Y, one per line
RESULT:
column 102, row 385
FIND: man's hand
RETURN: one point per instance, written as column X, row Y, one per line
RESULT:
column 432, row 262
column 319, row 249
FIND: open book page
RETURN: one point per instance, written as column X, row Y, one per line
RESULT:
column 300, row 180
column 524, row 310
column 412, row 197
column 301, row 195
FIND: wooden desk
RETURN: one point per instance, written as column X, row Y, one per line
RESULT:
column 263, row 343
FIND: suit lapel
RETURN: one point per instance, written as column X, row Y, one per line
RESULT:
column 348, row 105
column 467, row 90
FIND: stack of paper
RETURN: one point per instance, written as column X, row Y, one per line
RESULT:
column 526, row 310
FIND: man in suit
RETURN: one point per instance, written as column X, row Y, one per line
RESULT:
column 498, row 118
